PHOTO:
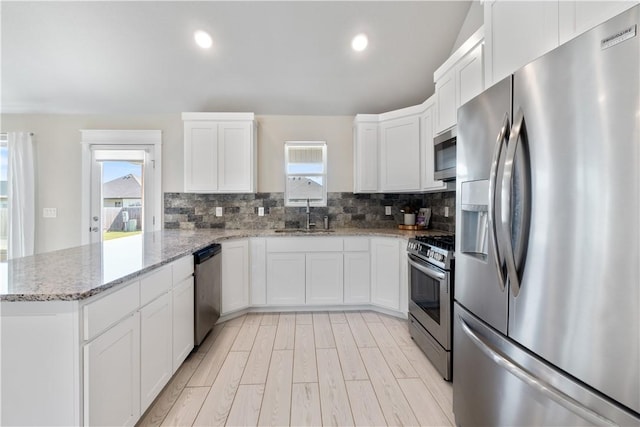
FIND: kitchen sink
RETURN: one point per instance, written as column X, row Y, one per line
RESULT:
column 304, row 230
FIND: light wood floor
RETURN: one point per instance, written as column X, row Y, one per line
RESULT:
column 303, row 369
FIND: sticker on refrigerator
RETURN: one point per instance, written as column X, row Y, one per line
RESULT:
column 618, row 37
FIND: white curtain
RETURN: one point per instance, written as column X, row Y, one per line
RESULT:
column 21, row 194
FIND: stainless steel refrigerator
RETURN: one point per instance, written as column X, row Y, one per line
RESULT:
column 547, row 285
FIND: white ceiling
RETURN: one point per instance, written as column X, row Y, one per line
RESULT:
column 127, row 57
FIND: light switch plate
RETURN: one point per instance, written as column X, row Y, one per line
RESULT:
column 260, row 211
column 446, row 211
column 387, row 210
column 219, row 211
column 49, row 212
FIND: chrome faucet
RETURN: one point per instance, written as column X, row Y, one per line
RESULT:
column 309, row 223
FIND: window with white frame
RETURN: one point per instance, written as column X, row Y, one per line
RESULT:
column 305, row 173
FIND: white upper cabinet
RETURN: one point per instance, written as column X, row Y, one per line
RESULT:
column 576, row 17
column 458, row 80
column 400, row 154
column 427, row 180
column 446, row 101
column 365, row 154
column 517, row 33
column 220, row 152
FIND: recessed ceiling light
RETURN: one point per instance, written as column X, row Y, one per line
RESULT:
column 203, row 39
column 359, row 42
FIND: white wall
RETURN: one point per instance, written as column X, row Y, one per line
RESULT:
column 59, row 161
column 473, row 21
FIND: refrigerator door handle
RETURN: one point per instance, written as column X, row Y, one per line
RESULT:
column 497, row 151
column 538, row 384
column 507, row 215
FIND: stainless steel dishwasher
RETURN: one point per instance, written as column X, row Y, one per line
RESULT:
column 207, row 284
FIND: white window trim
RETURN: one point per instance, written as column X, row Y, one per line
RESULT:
column 312, row 202
column 127, row 138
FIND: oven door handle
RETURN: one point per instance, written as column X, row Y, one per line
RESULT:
column 435, row 274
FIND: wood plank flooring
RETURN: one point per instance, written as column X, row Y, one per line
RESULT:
column 306, row 369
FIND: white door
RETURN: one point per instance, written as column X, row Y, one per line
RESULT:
column 357, row 282
column 235, row 157
column 121, row 191
column 400, row 154
column 385, row 273
column 155, row 349
column 182, row 321
column 235, row 275
column 121, row 182
column 324, row 278
column 286, row 278
column 112, row 376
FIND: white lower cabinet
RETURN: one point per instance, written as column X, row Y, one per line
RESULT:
column 182, row 307
column 357, row 278
column 235, row 275
column 286, row 278
column 155, row 348
column 385, row 272
column 258, row 258
column 324, row 278
column 112, row 376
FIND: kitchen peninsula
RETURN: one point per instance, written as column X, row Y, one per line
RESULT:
column 78, row 320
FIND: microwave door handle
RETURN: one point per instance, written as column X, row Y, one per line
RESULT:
column 517, row 134
column 497, row 151
column 434, row 274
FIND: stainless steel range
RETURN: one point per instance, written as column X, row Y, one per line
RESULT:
column 431, row 297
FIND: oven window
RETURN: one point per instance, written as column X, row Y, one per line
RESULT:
column 425, row 293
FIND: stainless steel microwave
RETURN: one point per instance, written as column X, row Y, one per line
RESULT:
column 444, row 155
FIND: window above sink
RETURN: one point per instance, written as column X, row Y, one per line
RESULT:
column 305, row 173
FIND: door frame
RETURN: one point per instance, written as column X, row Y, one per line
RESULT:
column 124, row 139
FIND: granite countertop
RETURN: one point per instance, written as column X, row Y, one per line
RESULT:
column 83, row 271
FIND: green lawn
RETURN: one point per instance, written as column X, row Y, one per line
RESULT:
column 110, row 235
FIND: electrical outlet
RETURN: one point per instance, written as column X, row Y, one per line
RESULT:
column 219, row 211
column 446, row 211
column 260, row 211
column 387, row 210
column 49, row 212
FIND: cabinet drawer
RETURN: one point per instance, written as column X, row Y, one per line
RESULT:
column 155, row 284
column 103, row 313
column 182, row 269
column 356, row 244
column 304, row 244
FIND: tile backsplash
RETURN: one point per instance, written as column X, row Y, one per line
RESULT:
column 240, row 211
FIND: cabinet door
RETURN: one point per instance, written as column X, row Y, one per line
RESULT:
column 183, row 298
column 357, row 278
column 517, row 32
column 200, row 156
column 258, row 271
column 156, row 365
column 578, row 16
column 426, row 153
column 400, row 154
column 446, row 101
column 235, row 157
column 286, row 278
column 366, row 158
column 235, row 275
column 112, row 376
column 385, row 273
column 324, row 278
column 470, row 75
